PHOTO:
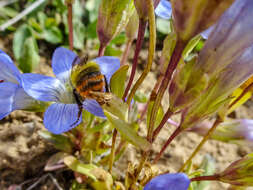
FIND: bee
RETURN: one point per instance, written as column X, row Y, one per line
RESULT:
column 87, row 80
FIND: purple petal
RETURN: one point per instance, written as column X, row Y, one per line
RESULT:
column 22, row 101
column 42, row 87
column 108, row 65
column 62, row 63
column 177, row 181
column 60, row 118
column 9, row 71
column 93, row 107
column 7, row 94
column 163, row 9
column 207, row 32
column 234, row 26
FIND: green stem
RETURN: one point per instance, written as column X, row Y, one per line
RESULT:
column 176, row 55
column 151, row 51
column 205, row 138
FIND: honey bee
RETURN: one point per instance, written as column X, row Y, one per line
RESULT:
column 87, row 80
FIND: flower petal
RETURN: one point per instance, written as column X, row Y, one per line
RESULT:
column 22, row 101
column 176, row 181
column 93, row 107
column 7, row 90
column 207, row 32
column 108, row 65
column 42, row 87
column 9, row 71
column 62, row 63
column 163, row 9
column 60, row 118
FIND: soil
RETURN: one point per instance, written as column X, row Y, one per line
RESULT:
column 23, row 153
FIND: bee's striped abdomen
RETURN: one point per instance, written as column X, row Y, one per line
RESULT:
column 90, row 82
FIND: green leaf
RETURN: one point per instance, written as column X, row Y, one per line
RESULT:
column 79, row 167
column 191, row 45
column 29, row 57
column 159, row 116
column 22, row 33
column 61, row 142
column 53, row 35
column 119, row 39
column 140, row 97
column 111, row 51
column 112, row 18
column 127, row 131
column 117, row 83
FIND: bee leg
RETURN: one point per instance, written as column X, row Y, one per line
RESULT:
column 106, row 85
column 80, row 107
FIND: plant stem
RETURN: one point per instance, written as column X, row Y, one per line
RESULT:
column 174, row 134
column 138, row 170
column 205, row 138
column 151, row 51
column 176, row 55
column 140, row 38
column 101, row 50
column 206, row 178
column 166, row 116
column 70, row 24
column 247, row 89
column 126, row 53
column 114, row 136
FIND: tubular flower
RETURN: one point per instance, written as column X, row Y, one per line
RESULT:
column 218, row 60
column 62, row 114
column 12, row 95
column 219, row 88
column 178, row 181
column 237, row 131
column 239, row 172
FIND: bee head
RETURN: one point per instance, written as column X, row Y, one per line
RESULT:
column 80, row 70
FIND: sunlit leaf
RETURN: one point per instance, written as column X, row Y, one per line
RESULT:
column 118, row 80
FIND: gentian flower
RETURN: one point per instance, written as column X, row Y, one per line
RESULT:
column 63, row 113
column 12, row 95
column 164, row 11
column 239, row 131
column 239, row 172
column 221, row 67
column 176, row 181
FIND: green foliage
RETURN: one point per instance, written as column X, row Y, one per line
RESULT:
column 118, row 79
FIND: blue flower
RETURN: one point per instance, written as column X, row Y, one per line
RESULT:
column 164, row 11
column 12, row 95
column 176, row 181
column 63, row 112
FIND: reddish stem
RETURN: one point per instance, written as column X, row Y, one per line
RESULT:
column 70, row 24
column 101, row 50
column 166, row 116
column 176, row 55
column 126, row 53
column 140, row 38
column 174, row 134
column 206, row 178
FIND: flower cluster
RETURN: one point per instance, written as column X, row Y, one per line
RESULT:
column 28, row 90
